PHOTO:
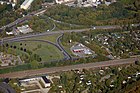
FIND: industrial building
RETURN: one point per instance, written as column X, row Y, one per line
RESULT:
column 45, row 81
column 26, row 4
column 81, row 50
column 24, row 29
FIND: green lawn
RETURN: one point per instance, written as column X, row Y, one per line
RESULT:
column 51, row 38
column 46, row 51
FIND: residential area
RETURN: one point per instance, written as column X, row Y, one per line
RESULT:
column 120, row 44
column 109, row 79
column 106, row 79
column 9, row 60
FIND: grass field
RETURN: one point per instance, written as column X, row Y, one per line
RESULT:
column 51, row 38
column 46, row 51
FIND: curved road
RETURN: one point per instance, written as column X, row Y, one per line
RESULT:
column 57, row 45
column 27, row 17
column 53, row 32
column 58, row 41
column 22, row 74
column 5, row 88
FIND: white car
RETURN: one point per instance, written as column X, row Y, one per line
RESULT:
column 132, row 24
column 94, row 27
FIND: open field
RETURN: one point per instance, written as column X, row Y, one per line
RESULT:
column 46, row 51
column 51, row 38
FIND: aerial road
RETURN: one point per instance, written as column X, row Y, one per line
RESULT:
column 22, row 74
column 53, row 32
column 26, row 17
column 58, row 42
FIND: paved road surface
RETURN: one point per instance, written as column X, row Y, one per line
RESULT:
column 51, row 33
column 5, row 88
column 27, row 17
column 22, row 74
column 54, row 32
column 58, row 42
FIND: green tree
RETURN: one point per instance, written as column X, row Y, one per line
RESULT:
column 34, row 64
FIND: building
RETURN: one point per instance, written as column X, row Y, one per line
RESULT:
column 62, row 1
column 13, row 1
column 88, row 3
column 46, row 82
column 8, row 59
column 26, row 4
column 24, row 29
column 9, row 33
column 81, row 50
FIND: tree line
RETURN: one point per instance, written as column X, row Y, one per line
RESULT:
column 116, row 13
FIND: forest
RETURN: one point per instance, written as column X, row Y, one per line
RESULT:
column 120, row 12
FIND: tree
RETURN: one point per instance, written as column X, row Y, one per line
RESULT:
column 7, row 29
column 137, row 4
column 137, row 62
column 34, row 64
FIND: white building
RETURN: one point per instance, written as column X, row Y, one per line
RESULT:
column 24, row 29
column 88, row 3
column 9, row 33
column 46, row 82
column 26, row 4
column 62, row 1
column 14, row 1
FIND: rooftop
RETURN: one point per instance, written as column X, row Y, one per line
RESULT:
column 45, row 79
column 25, row 29
column 27, row 2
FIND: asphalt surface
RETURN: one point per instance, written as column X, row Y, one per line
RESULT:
column 27, row 17
column 58, row 42
column 22, row 74
column 53, row 32
column 5, row 88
